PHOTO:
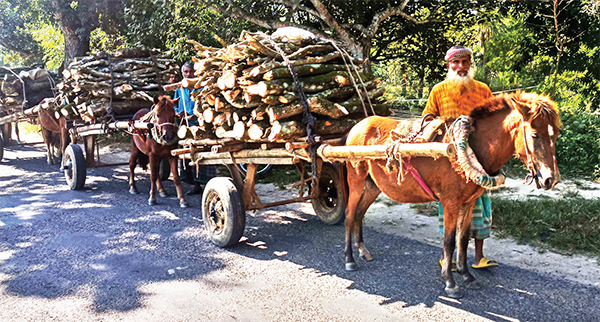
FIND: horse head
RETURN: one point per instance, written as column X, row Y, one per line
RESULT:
column 536, row 142
column 165, row 118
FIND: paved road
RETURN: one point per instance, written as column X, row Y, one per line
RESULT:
column 103, row 255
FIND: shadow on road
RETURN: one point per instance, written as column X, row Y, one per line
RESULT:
column 105, row 244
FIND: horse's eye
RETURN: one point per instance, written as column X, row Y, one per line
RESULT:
column 534, row 135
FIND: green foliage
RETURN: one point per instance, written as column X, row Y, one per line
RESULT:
column 578, row 146
column 100, row 40
column 169, row 24
column 511, row 45
column 52, row 43
column 570, row 224
column 15, row 37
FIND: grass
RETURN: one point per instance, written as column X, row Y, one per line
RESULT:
column 569, row 225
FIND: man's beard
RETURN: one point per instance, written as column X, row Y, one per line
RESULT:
column 466, row 80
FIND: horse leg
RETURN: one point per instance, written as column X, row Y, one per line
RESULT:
column 463, row 234
column 161, row 189
column 17, row 132
column 368, row 197
column 153, row 178
column 356, row 183
column 133, row 157
column 47, row 136
column 177, row 180
column 451, row 212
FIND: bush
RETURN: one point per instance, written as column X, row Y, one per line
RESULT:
column 578, row 146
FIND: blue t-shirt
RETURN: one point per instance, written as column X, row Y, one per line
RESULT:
column 185, row 100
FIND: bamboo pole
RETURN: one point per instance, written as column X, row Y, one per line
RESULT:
column 102, row 128
column 325, row 151
column 343, row 153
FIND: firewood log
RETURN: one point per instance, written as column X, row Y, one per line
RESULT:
column 302, row 70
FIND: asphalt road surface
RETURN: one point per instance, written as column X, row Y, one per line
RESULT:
column 101, row 254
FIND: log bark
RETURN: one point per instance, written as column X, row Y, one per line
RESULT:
column 302, row 70
column 330, row 127
column 286, row 131
column 315, row 105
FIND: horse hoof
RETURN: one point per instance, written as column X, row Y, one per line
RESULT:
column 454, row 293
column 152, row 203
column 350, row 267
column 472, row 285
column 183, row 205
column 367, row 257
column 163, row 194
column 133, row 191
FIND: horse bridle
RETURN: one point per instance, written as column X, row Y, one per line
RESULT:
column 158, row 138
column 533, row 171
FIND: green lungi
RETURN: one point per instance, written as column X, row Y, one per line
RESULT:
column 482, row 217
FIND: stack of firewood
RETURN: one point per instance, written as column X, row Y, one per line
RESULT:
column 246, row 91
column 19, row 84
column 135, row 75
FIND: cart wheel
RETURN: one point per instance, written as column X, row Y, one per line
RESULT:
column 223, row 212
column 164, row 169
column 329, row 205
column 1, row 146
column 73, row 163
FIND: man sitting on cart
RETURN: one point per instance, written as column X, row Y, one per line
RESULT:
column 185, row 109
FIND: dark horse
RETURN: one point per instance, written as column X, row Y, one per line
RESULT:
column 522, row 124
column 154, row 145
column 54, row 133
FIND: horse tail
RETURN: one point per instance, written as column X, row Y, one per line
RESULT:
column 343, row 175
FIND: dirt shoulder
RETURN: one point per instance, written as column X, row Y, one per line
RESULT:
column 403, row 220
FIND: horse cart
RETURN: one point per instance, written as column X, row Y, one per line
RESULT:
column 7, row 120
column 226, row 199
column 76, row 160
column 23, row 91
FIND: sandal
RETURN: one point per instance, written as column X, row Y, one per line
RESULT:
column 453, row 267
column 485, row 263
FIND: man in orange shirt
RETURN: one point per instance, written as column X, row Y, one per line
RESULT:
column 458, row 95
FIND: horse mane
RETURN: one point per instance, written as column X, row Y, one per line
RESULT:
column 538, row 105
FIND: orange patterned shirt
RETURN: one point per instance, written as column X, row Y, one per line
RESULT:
column 449, row 100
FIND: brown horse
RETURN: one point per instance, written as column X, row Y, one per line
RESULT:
column 55, row 134
column 154, row 145
column 522, row 124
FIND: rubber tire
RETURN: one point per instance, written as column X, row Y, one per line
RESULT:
column 330, row 206
column 261, row 172
column 75, row 174
column 1, row 146
column 164, row 169
column 222, row 191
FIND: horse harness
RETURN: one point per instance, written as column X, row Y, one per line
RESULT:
column 533, row 171
column 150, row 117
column 412, row 132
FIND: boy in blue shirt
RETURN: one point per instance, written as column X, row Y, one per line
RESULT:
column 185, row 108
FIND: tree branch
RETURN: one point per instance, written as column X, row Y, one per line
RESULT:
column 234, row 11
column 330, row 21
column 393, row 11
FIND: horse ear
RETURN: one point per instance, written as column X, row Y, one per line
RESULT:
column 521, row 107
column 176, row 100
column 156, row 99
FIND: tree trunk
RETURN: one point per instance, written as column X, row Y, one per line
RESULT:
column 77, row 35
